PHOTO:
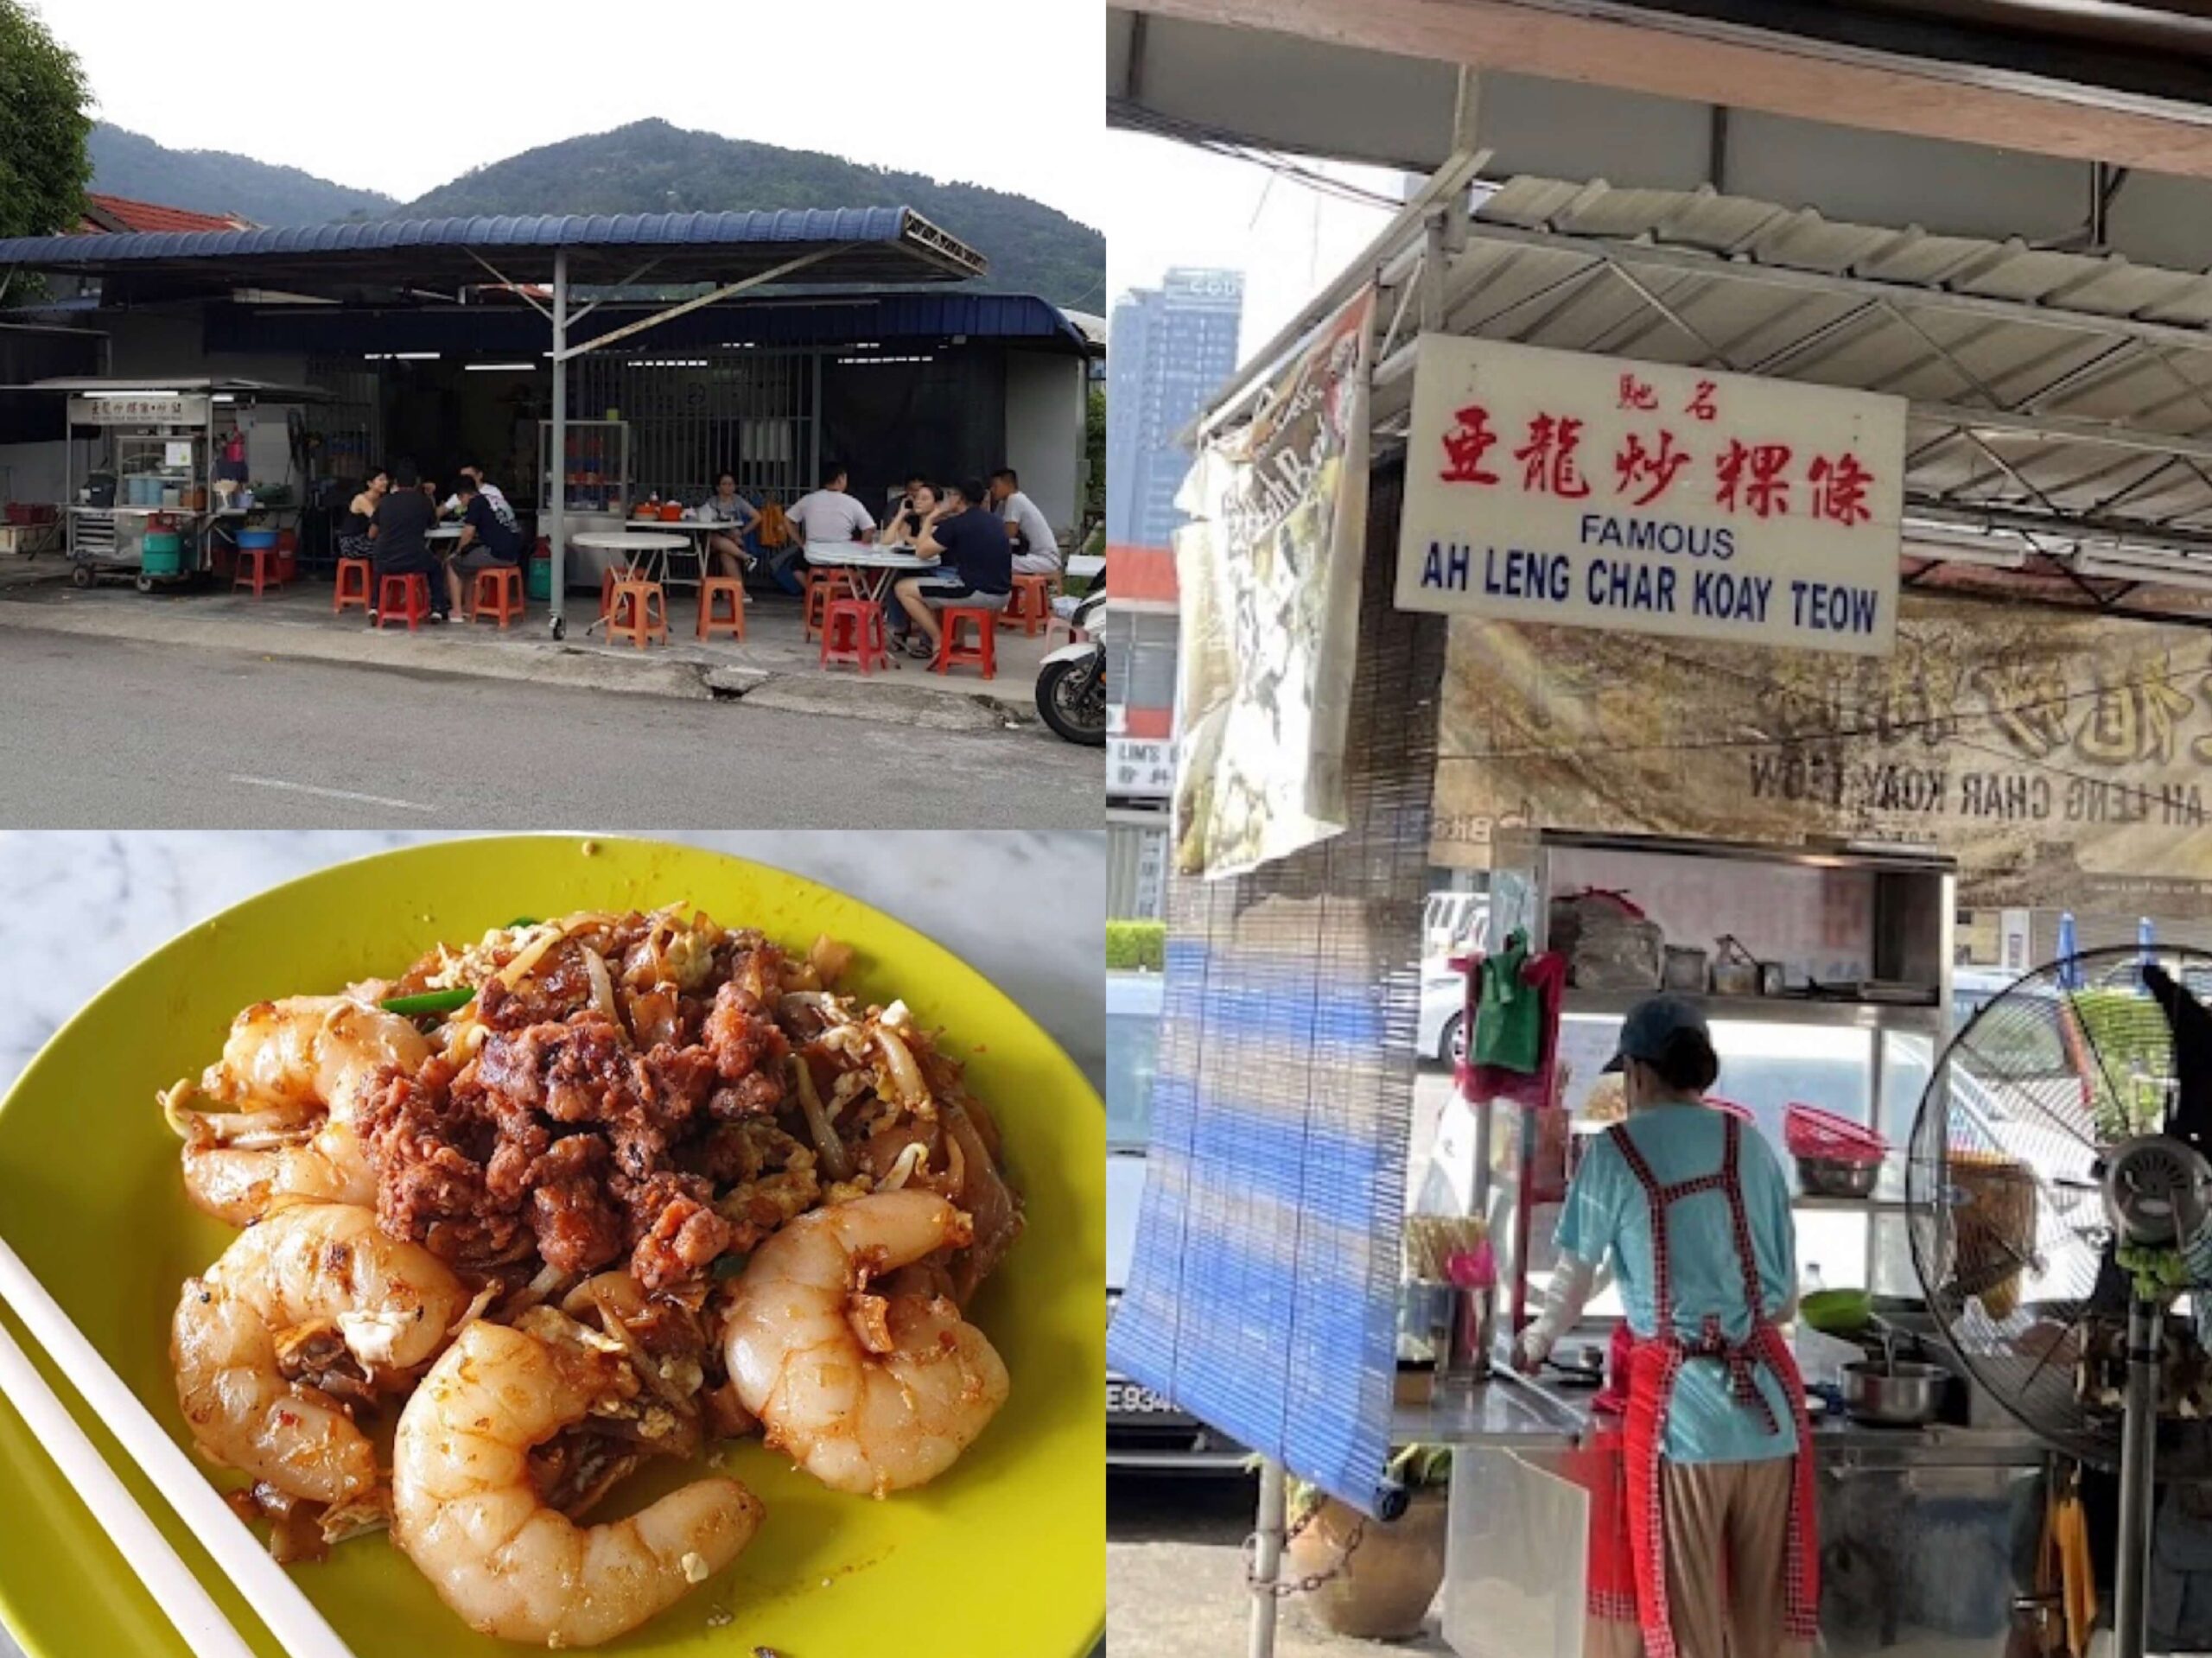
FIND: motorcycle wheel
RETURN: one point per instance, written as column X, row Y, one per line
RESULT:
column 1071, row 697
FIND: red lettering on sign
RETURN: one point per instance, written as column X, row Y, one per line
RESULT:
column 1650, row 470
column 1637, row 394
column 1751, row 477
column 1701, row 406
column 1465, row 444
column 1547, row 463
column 1839, row 486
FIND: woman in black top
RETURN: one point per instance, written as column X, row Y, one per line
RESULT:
column 357, row 533
column 904, row 527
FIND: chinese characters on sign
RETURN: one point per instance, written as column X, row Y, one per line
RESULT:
column 1140, row 768
column 2064, row 760
column 153, row 409
column 1552, row 486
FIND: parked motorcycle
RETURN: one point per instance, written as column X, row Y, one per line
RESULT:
column 1072, row 682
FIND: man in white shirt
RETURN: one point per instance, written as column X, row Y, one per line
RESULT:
column 490, row 491
column 829, row 516
column 1036, row 549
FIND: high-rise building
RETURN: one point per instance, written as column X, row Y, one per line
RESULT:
column 1168, row 348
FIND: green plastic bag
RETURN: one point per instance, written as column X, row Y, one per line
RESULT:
column 1509, row 1014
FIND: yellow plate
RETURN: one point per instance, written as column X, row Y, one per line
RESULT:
column 1002, row 1555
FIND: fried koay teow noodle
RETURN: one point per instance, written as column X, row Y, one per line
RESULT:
column 582, row 1194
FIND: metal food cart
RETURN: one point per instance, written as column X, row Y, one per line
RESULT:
column 594, row 481
column 160, row 471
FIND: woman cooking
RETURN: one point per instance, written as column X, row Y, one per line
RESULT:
column 1694, row 1210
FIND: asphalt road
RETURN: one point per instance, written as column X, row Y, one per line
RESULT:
column 119, row 736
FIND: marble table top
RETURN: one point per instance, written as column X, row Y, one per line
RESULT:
column 82, row 907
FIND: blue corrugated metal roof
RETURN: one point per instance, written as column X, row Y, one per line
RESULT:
column 536, row 230
column 384, row 245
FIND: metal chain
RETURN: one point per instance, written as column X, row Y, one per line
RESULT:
column 1311, row 1580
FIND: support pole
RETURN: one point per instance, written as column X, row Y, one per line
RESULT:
column 2138, row 1432
column 1267, row 1558
column 558, row 461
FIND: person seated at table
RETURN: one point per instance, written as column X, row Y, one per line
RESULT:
column 916, row 508
column 485, row 541
column 976, row 562
column 402, row 521
column 829, row 516
column 1039, row 549
column 455, row 507
column 726, row 506
column 357, row 535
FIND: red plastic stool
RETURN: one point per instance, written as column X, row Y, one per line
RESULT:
column 413, row 592
column 951, row 653
column 353, row 578
column 1030, row 607
column 852, row 631
column 258, row 568
column 607, row 578
column 721, row 586
column 820, row 587
column 640, row 613
column 497, row 593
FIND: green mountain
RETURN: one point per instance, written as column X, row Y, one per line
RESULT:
column 126, row 163
column 652, row 166
column 647, row 167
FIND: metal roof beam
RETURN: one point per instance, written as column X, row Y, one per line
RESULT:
column 671, row 313
column 1649, row 254
column 2068, row 427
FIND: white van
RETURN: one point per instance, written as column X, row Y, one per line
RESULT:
column 1142, row 1429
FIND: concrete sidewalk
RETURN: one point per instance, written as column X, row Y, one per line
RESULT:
column 774, row 667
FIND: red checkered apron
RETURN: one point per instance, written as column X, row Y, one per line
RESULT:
column 1654, row 1368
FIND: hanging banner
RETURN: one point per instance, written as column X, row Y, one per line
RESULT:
column 2065, row 762
column 1594, row 492
column 1269, row 573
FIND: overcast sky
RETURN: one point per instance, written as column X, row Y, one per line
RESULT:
column 268, row 78
column 1168, row 204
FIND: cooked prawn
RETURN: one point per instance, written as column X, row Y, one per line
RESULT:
column 306, row 1269
column 467, row 1513
column 297, row 1068
column 871, row 1393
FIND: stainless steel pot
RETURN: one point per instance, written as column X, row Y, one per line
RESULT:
column 1903, row 1394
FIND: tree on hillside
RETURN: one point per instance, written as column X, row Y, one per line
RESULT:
column 43, row 165
column 1094, row 449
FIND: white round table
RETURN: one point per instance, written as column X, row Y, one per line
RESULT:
column 874, row 569
column 644, row 550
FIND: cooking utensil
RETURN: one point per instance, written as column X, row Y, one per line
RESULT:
column 1735, row 969
column 266, row 1585
column 1833, row 1177
column 1894, row 1392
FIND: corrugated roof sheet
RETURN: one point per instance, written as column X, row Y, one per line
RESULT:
column 431, row 248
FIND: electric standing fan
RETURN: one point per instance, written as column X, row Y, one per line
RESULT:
column 2056, row 1188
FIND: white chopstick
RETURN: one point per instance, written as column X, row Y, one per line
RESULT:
column 188, row 1606
column 291, row 1618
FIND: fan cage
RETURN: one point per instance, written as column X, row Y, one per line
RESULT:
column 2009, row 1233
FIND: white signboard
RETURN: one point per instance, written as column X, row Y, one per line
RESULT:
column 1141, row 768
column 1593, row 492
column 158, row 409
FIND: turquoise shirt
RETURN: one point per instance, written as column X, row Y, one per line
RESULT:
column 1607, row 1214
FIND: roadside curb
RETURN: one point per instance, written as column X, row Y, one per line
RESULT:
column 452, row 652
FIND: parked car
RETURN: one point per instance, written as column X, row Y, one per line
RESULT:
column 1440, row 1037
column 1142, row 1429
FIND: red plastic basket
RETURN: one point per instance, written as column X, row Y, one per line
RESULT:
column 1810, row 1132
